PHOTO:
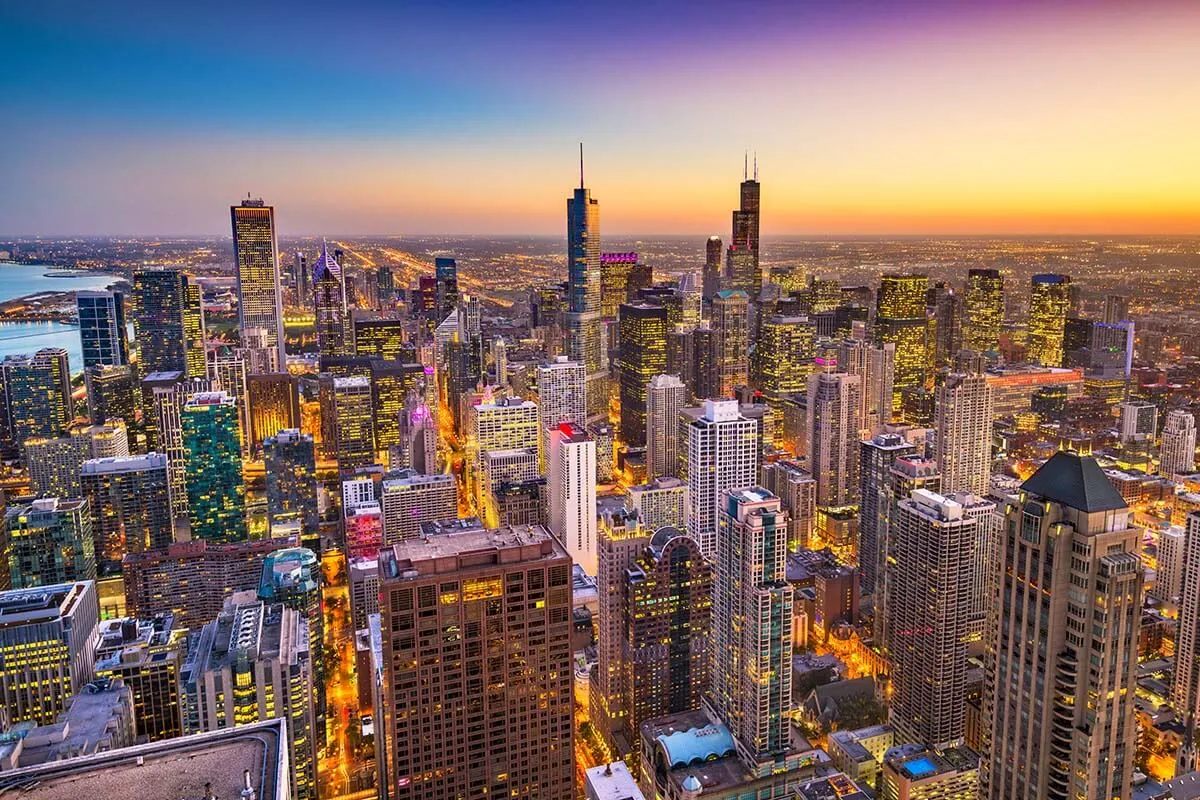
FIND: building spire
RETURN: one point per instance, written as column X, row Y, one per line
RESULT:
column 756, row 166
column 745, row 164
column 581, row 165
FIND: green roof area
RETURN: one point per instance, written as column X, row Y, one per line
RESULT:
column 1075, row 481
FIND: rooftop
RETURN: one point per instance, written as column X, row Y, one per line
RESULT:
column 832, row 787
column 612, row 782
column 1075, row 481
column 41, row 604
column 410, row 559
column 176, row 768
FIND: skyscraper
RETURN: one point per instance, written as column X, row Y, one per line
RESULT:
column 900, row 319
column 560, row 387
column 752, row 626
column 1049, row 302
column 731, row 340
column 445, row 272
column 501, row 715
column 292, row 576
column 111, row 394
column 643, row 354
column 273, row 402
column 354, row 424
column 102, row 328
column 744, row 272
column 930, row 590
column 253, row 663
column 713, row 257
column 783, row 357
column 48, row 646
column 1185, row 694
column 834, row 402
column 875, row 365
column 1059, row 695
column 163, row 397
column 665, row 397
column 908, row 473
column 877, row 456
column 983, row 310
column 291, row 471
column 130, row 505
column 722, row 454
column 504, row 425
column 946, row 319
column 334, row 335
column 37, row 397
column 256, row 257
column 797, row 492
column 571, row 480
column 615, row 288
column 963, row 418
column 47, row 542
column 215, row 490
column 194, row 333
column 582, row 318
column 408, row 499
column 1178, row 453
column 158, row 297
column 666, row 628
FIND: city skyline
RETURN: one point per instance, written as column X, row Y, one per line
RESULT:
column 928, row 119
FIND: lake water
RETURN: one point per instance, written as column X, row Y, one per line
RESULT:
column 19, row 280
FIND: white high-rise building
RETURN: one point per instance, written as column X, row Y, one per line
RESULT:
column 722, row 454
column 833, row 434
column 562, row 396
column 665, row 396
column 410, row 499
column 1178, row 454
column 1186, row 691
column 1169, row 567
column 963, row 416
column 930, row 592
column 983, row 568
column 661, row 502
column 572, row 484
column 509, row 424
column 1139, row 421
column 876, row 366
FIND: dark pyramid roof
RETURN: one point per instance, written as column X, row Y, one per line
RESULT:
column 1075, row 481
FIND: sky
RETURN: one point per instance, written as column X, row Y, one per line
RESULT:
column 399, row 117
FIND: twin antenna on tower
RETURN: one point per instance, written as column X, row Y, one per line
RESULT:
column 746, row 165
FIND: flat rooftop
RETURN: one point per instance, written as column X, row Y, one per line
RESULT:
column 24, row 606
column 177, row 769
column 421, row 555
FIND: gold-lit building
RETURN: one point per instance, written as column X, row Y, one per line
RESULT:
column 983, row 310
column 353, row 422
column 256, row 256
column 730, row 341
column 642, row 355
column 900, row 319
column 1049, row 302
column 783, row 359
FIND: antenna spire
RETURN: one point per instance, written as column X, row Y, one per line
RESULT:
column 756, row 165
column 745, row 164
column 581, row 165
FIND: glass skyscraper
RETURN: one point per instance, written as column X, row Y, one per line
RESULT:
column 329, row 306
column 216, row 492
column 102, row 328
column 1049, row 302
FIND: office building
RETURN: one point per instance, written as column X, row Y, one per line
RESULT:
column 471, row 696
column 583, row 314
column 571, row 483
column 37, row 397
column 292, row 576
column 48, row 648
column 611, row 782
column 930, row 591
column 273, row 401
column 418, row 446
column 561, row 396
column 290, row 464
column 946, row 325
column 983, row 310
column 833, row 434
column 392, row 382
column 253, row 663
column 875, row 366
column 164, row 395
column 111, row 394
column 508, row 424
column 334, row 334
column 192, row 580
column 783, row 358
column 216, row 492
column 900, row 320
column 102, row 335
column 797, row 492
column 168, row 319
column 445, row 272
column 48, row 542
column 713, row 267
column 54, row 463
column 1169, row 566
column 1049, row 303
column 227, row 369
column 642, row 354
column 130, row 500
column 752, row 628
column 147, row 656
column 1014, row 388
column 877, row 456
column 501, row 467
column 666, row 395
column 615, row 289
column 916, row 772
column 1062, row 725
column 1139, row 421
column 730, row 342
column 963, row 418
column 722, row 454
column 353, row 422
column 379, row 337
column 1178, row 453
column 660, row 503
column 666, row 600
column 408, row 499
column 908, row 473
column 743, row 272
column 256, row 259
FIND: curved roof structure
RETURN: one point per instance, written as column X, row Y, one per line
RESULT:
column 697, row 745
